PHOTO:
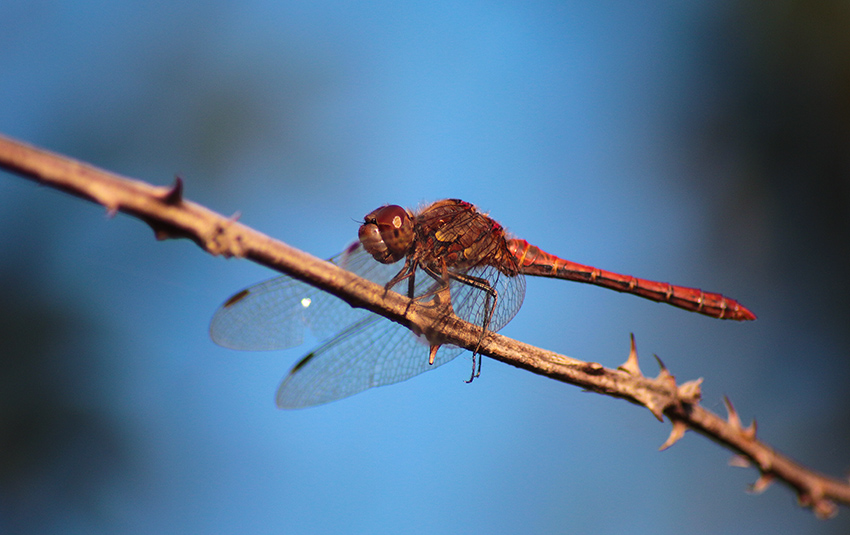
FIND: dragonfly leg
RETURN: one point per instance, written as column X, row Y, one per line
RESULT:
column 491, row 298
column 407, row 272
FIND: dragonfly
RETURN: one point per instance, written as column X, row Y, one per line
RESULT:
column 448, row 245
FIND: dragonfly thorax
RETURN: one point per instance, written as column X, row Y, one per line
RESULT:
column 387, row 233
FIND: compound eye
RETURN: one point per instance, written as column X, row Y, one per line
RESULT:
column 387, row 233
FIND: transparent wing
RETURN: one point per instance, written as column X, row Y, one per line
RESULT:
column 375, row 351
column 273, row 314
column 372, row 352
column 473, row 304
column 369, row 349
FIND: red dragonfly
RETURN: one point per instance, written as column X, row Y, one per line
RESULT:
column 447, row 244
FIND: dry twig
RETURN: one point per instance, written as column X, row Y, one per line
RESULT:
column 171, row 216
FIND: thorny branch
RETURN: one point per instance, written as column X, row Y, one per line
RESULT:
column 171, row 216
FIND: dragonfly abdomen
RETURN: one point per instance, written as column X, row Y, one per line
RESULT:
column 534, row 261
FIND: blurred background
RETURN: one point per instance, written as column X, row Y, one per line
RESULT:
column 700, row 143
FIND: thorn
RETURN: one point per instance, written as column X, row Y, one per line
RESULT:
column 750, row 432
column 162, row 231
column 761, row 484
column 433, row 353
column 739, row 461
column 665, row 374
column 174, row 195
column 733, row 418
column 691, row 392
column 656, row 410
column 631, row 365
column 679, row 428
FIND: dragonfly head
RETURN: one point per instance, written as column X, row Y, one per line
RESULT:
column 387, row 233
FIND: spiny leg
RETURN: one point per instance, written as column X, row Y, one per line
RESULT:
column 491, row 293
column 408, row 271
column 475, row 282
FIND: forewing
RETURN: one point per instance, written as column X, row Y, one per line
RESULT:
column 369, row 350
column 273, row 314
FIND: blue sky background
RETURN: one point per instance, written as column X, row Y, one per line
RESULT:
column 698, row 144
